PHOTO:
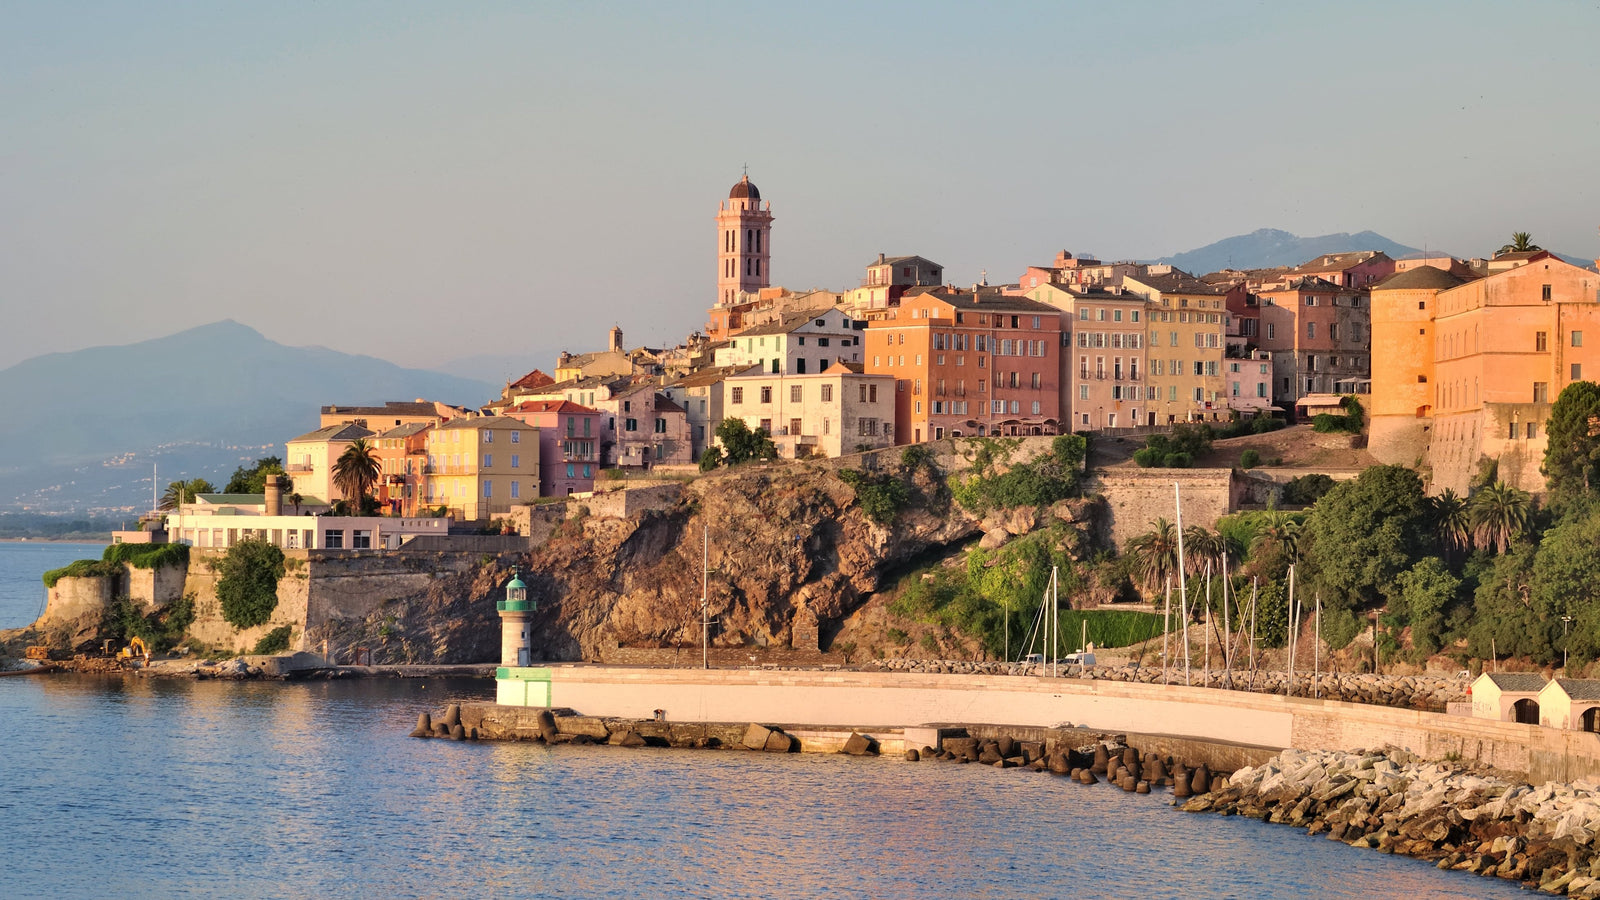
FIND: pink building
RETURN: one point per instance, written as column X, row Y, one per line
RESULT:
column 1359, row 269
column 569, row 444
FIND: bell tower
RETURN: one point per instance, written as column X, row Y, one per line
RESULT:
column 744, row 245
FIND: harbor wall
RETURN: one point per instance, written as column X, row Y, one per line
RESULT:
column 880, row 700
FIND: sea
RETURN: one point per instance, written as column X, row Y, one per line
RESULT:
column 123, row 786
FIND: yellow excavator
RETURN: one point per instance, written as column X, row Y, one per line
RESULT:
column 136, row 649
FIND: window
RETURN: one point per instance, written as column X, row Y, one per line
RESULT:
column 1311, row 330
column 1577, row 371
column 1083, row 392
column 1544, row 292
column 516, row 490
column 1533, row 430
column 631, row 425
column 766, row 394
column 1539, row 342
column 516, row 436
column 872, row 393
column 488, row 437
column 661, row 426
column 1037, row 381
column 1261, row 389
column 333, row 539
column 794, row 393
column 1083, row 313
column 488, row 460
column 1577, row 339
column 1333, row 331
column 1272, row 331
column 738, row 396
column 587, row 472
column 1036, row 407
column 488, row 489
column 1541, row 392
column 827, row 394
column 569, row 470
column 516, row 461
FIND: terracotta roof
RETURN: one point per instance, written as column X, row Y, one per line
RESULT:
column 407, row 430
column 1178, row 282
column 1518, row 681
column 1338, row 262
column 534, row 379
column 989, row 302
column 789, row 322
column 1422, row 278
column 556, row 406
column 665, row 404
column 744, row 190
column 1521, row 254
column 348, row 431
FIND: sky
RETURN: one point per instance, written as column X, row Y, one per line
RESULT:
column 437, row 182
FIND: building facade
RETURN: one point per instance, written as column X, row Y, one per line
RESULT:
column 831, row 413
column 744, row 256
column 482, row 466
column 795, row 344
column 569, row 444
column 309, row 459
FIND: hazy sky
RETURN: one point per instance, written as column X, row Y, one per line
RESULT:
column 425, row 182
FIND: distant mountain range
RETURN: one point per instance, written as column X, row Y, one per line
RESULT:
column 84, row 427
column 1268, row 247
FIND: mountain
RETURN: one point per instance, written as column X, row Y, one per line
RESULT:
column 82, row 428
column 1269, row 247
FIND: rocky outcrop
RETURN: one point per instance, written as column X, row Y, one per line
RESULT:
column 1474, row 821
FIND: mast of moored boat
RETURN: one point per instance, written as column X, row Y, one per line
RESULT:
column 1183, row 582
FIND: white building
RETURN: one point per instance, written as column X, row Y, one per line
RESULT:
column 218, row 521
column 798, row 343
column 835, row 412
column 1507, row 697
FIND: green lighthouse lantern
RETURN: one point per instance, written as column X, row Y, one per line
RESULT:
column 517, row 596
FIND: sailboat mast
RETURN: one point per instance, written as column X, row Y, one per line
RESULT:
column 1183, row 584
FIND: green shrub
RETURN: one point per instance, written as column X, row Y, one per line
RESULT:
column 148, row 556
column 1176, row 450
column 899, row 637
column 160, row 630
column 1044, row 480
column 710, row 459
column 1249, row 459
column 1264, row 424
column 82, row 568
column 247, row 587
column 880, row 496
column 1307, row 489
column 929, row 642
column 274, row 641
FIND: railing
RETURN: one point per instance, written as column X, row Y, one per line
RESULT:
column 1100, row 376
column 1133, row 376
column 297, row 467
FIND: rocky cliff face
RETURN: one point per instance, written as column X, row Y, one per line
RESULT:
column 789, row 550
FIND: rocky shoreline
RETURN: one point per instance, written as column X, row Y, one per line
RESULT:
column 1460, row 817
column 1430, row 693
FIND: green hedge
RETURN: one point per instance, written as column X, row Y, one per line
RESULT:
column 82, row 568
column 148, row 556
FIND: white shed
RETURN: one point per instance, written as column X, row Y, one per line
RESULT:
column 1570, row 703
column 1507, row 697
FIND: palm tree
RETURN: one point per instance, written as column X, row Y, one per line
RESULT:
column 1155, row 554
column 1202, row 547
column 1521, row 242
column 356, row 471
column 296, row 499
column 1452, row 517
column 1279, row 532
column 1499, row 515
column 181, row 492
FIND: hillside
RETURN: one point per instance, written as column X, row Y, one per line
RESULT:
column 1268, row 247
column 84, row 427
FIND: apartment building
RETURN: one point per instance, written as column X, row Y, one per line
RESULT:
column 831, row 413
column 480, row 467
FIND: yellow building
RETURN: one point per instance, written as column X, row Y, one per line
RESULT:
column 481, row 467
column 1187, row 321
column 311, row 457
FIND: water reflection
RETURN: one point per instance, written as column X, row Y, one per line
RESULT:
column 180, row 788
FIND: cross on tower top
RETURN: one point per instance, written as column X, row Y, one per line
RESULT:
column 747, row 170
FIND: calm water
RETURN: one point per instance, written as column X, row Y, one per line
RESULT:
column 22, row 563
column 135, row 787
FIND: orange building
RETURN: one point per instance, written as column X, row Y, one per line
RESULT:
column 969, row 363
column 1401, row 403
column 402, row 454
column 1501, row 350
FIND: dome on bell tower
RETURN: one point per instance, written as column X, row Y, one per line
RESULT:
column 744, row 190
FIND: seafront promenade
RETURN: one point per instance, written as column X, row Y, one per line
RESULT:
column 863, row 701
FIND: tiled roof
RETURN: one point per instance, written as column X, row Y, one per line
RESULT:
column 556, row 406
column 400, row 431
column 989, row 302
column 788, row 322
column 534, row 379
column 1518, row 681
column 1178, row 282
column 1338, row 262
column 347, row 431
column 1580, row 688
column 665, row 404
column 1419, row 279
column 391, row 408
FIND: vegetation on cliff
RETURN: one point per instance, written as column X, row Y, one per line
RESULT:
column 161, row 630
column 140, row 556
column 997, row 482
column 247, row 586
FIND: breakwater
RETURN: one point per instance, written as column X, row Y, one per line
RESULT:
column 1457, row 816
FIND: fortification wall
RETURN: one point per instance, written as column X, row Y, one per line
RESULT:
column 155, row 588
column 75, row 598
column 1137, row 497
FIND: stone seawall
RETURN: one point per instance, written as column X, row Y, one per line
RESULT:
column 881, row 699
column 1137, row 497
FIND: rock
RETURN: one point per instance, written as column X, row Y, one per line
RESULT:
column 452, row 715
column 1200, row 779
column 457, row 733
column 1142, row 787
column 755, row 736
column 778, row 742
column 860, row 745
column 1180, row 785
column 626, row 739
column 1006, row 746
column 994, row 540
column 1100, row 758
column 912, row 756
column 589, row 726
column 547, row 725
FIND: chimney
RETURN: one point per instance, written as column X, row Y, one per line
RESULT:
column 880, row 259
column 274, row 495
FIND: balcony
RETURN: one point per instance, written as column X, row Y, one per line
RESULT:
column 1100, row 376
column 1133, row 376
column 297, row 467
column 1083, row 374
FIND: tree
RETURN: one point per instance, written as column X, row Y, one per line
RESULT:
column 1155, row 556
column 1202, row 547
column 247, row 583
column 1572, row 457
column 254, row 479
column 1521, row 242
column 1364, row 533
column 296, row 499
column 1566, row 581
column 1425, row 590
column 740, row 444
column 1452, row 522
column 181, row 492
column 356, row 470
column 1499, row 515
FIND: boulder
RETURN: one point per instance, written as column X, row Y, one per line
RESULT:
column 860, row 745
column 755, row 736
column 993, row 540
column 913, row 756
column 547, row 725
column 626, row 739
column 424, row 726
column 452, row 715
column 778, row 742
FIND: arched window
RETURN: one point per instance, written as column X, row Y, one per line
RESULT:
column 747, row 267
column 758, row 241
column 758, row 265
column 749, row 238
